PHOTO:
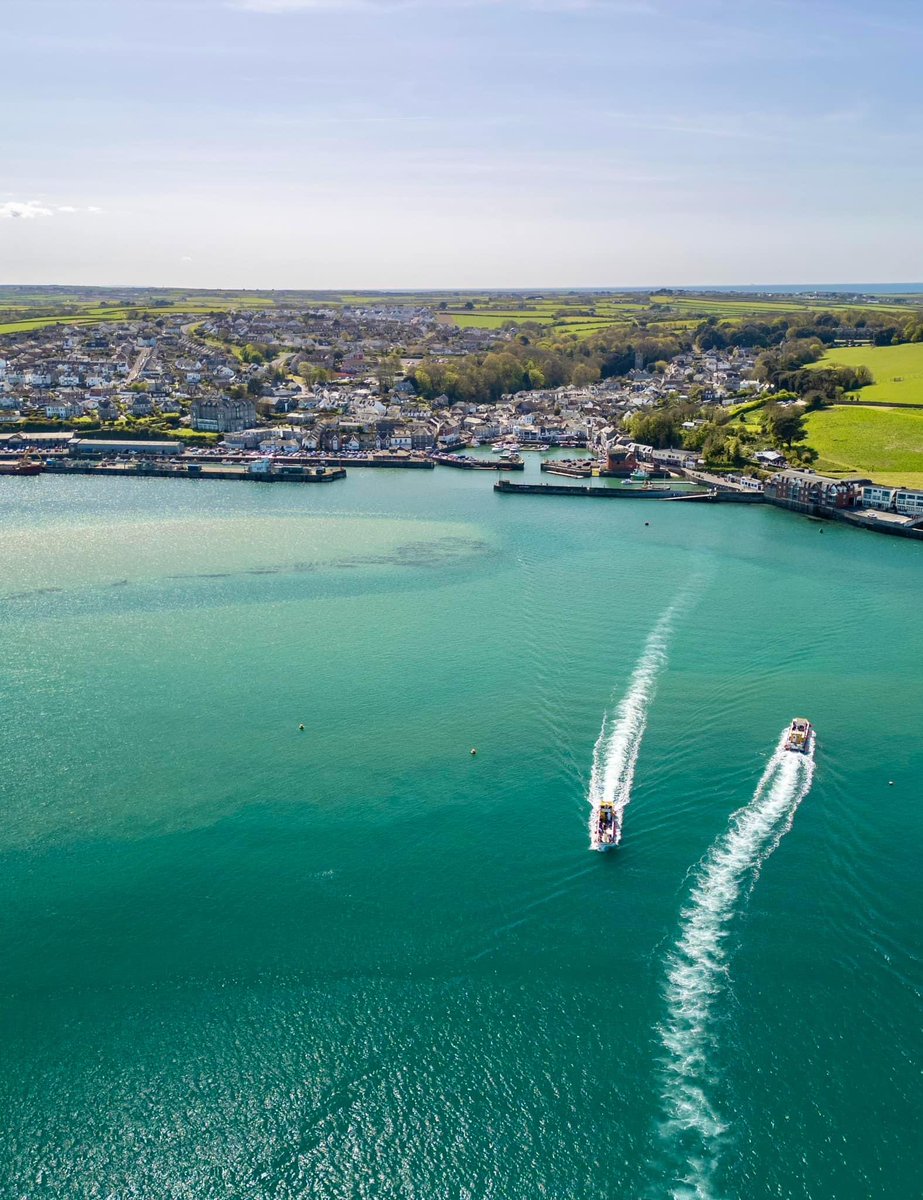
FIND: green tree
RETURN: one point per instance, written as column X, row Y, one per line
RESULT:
column 584, row 373
column 658, row 429
column 388, row 370
column 715, row 447
column 784, row 423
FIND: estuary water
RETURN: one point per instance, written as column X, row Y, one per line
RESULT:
column 355, row 962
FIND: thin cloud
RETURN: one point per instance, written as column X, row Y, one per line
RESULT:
column 29, row 210
column 23, row 210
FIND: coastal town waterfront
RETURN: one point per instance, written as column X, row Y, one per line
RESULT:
column 623, row 469
column 234, row 949
column 306, row 392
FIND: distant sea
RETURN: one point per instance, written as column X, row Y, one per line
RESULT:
column 357, row 962
column 863, row 289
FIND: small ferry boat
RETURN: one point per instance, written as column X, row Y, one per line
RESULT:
column 799, row 736
column 604, row 827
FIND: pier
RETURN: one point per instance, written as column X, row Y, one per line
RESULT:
column 411, row 462
column 179, row 469
column 600, row 493
column 464, row 462
column 570, row 468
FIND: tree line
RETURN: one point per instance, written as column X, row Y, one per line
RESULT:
column 530, row 363
column 535, row 359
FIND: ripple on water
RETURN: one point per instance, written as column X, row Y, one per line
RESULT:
column 357, row 1089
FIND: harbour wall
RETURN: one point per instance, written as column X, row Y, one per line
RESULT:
column 598, row 493
column 180, row 470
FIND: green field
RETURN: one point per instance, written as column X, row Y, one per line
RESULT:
column 97, row 316
column 733, row 306
column 586, row 313
column 484, row 320
column 22, row 310
column 885, row 444
column 898, row 372
column 576, row 313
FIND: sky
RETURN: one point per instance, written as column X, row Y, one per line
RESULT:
column 460, row 143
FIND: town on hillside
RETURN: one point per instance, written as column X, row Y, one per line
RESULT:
column 329, row 385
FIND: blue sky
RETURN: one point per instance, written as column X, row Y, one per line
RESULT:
column 460, row 143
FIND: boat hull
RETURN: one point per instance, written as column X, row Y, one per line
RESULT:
column 21, row 468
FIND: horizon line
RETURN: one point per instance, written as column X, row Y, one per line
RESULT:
column 868, row 287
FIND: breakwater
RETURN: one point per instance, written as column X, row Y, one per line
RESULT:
column 599, row 493
column 873, row 521
column 570, row 468
column 177, row 469
column 406, row 462
column 464, row 462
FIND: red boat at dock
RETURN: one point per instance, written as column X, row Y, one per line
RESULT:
column 22, row 466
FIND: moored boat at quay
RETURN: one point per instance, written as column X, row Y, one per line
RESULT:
column 22, row 466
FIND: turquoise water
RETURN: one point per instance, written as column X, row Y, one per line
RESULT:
column 240, row 960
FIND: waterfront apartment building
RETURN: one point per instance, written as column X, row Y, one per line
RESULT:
column 804, row 491
column 906, row 502
column 223, row 416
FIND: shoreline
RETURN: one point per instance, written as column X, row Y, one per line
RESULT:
column 329, row 468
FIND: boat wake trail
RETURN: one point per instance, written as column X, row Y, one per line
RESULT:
column 697, row 969
column 615, row 754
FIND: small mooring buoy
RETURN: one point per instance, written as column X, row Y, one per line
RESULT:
column 301, row 727
column 473, row 751
column 647, row 522
column 890, row 783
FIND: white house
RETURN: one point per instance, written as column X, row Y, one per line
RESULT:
column 904, row 501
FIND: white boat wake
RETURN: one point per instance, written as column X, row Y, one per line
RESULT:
column 698, row 965
column 615, row 754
